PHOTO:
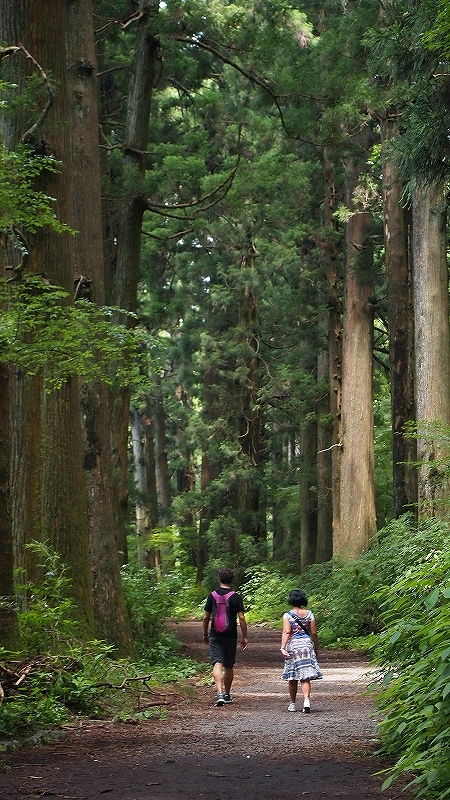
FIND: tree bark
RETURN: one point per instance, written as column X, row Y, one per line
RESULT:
column 357, row 490
column 9, row 631
column 160, row 441
column 324, row 549
column 432, row 345
column 209, row 472
column 47, row 473
column 400, row 327
column 145, row 483
column 308, row 498
column 250, row 496
column 110, row 614
column 330, row 369
column 124, row 280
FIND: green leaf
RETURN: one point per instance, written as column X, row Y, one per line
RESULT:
column 432, row 598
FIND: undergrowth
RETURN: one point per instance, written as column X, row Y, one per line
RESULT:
column 56, row 678
column 393, row 603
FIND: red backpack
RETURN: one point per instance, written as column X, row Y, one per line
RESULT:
column 220, row 617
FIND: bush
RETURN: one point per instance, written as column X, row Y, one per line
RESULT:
column 48, row 621
column 414, row 681
column 265, row 595
column 343, row 595
column 150, row 604
column 56, row 677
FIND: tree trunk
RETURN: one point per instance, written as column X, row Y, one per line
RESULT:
column 432, row 345
column 400, row 328
column 9, row 629
column 209, row 472
column 308, row 497
column 153, row 548
column 161, row 466
column 330, row 368
column 357, row 491
column 324, row 549
column 280, row 535
column 250, row 495
column 125, row 278
column 145, row 483
column 111, row 617
column 140, row 482
column 49, row 470
column 9, row 632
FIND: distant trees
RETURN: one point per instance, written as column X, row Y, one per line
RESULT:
column 252, row 184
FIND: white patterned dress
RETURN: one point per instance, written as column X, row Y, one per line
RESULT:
column 302, row 664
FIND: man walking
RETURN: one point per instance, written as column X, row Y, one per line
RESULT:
column 227, row 605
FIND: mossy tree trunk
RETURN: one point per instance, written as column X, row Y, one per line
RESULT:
column 357, row 479
column 400, row 326
column 47, row 453
column 110, row 614
column 432, row 346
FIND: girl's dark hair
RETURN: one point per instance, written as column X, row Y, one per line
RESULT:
column 298, row 598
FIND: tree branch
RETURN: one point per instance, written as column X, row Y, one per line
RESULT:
column 255, row 79
column 29, row 135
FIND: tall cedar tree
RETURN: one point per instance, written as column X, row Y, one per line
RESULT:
column 48, row 489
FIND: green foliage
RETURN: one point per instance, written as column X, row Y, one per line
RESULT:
column 41, row 332
column 345, row 601
column 343, row 595
column 20, row 204
column 434, row 444
column 48, row 622
column 394, row 602
column 149, row 603
column 414, row 657
column 30, row 712
column 265, row 594
column 438, row 38
column 56, row 676
column 407, row 55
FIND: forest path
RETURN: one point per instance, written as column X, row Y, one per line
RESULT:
column 252, row 749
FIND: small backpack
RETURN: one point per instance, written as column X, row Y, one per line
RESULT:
column 221, row 620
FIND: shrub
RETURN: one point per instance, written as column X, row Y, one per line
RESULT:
column 56, row 676
column 414, row 682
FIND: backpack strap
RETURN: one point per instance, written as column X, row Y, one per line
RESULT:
column 299, row 622
column 222, row 598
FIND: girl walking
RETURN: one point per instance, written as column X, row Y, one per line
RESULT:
column 299, row 647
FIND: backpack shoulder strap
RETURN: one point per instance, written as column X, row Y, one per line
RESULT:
column 222, row 597
column 299, row 622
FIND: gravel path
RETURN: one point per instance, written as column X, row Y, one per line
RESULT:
column 250, row 750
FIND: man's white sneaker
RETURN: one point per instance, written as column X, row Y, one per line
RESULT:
column 292, row 707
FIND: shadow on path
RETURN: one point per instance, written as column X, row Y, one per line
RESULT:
column 251, row 750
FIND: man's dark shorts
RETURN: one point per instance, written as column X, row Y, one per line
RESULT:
column 223, row 650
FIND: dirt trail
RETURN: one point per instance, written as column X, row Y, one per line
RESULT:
column 249, row 750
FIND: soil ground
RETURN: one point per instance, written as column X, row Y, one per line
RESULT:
column 252, row 749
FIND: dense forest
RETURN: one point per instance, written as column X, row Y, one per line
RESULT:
column 225, row 329
column 224, row 339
